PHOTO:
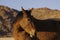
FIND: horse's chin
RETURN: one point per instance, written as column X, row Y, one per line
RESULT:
column 32, row 33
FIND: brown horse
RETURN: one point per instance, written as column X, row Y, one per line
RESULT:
column 26, row 25
column 45, row 29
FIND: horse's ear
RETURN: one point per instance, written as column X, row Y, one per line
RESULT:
column 23, row 11
column 30, row 10
column 22, row 8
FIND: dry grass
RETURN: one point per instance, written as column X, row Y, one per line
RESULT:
column 7, row 38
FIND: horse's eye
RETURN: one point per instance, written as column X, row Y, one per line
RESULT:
column 28, row 19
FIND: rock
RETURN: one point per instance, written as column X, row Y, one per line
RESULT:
column 45, row 13
column 7, row 16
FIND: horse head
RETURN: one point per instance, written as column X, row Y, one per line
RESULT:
column 26, row 23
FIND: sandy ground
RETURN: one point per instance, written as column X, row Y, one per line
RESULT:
column 10, row 38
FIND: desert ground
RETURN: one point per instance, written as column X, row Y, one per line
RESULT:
column 7, row 38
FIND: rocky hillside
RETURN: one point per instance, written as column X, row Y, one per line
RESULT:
column 46, row 13
column 7, row 16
